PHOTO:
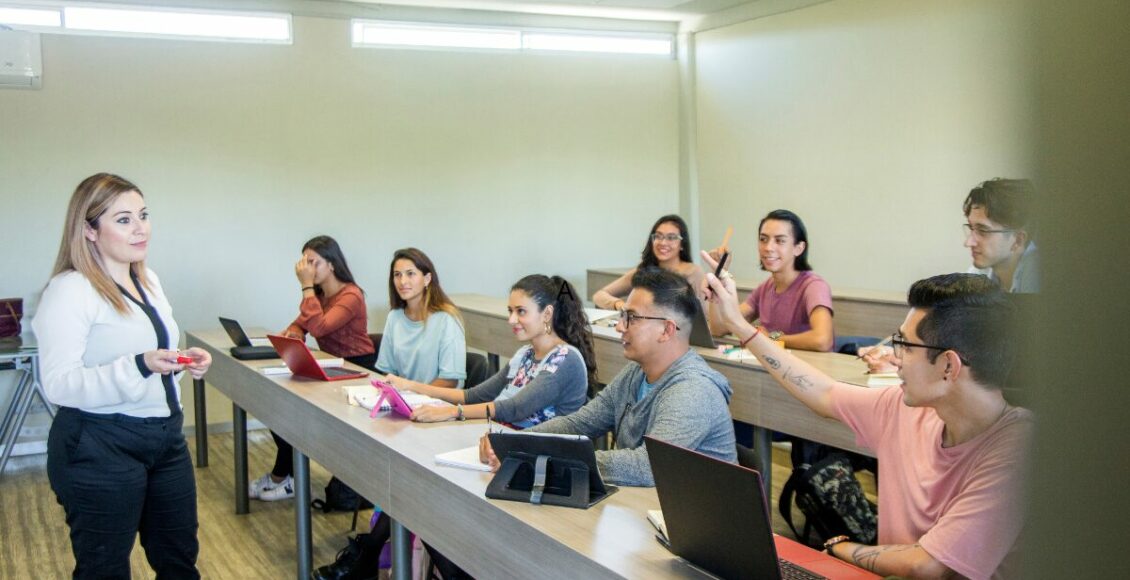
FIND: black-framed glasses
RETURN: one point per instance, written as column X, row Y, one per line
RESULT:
column 898, row 345
column 658, row 237
column 980, row 232
column 629, row 317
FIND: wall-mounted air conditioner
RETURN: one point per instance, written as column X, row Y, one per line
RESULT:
column 21, row 63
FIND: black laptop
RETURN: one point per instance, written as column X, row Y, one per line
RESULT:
column 716, row 518
column 243, row 349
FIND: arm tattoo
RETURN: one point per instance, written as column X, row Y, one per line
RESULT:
column 801, row 381
column 865, row 556
column 772, row 362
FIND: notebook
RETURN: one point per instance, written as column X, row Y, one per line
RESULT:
column 302, row 363
column 717, row 518
column 245, row 348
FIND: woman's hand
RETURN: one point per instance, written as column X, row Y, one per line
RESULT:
column 201, row 360
column 304, row 271
column 722, row 292
column 163, row 361
column 486, row 454
column 401, row 383
column 294, row 334
column 433, row 413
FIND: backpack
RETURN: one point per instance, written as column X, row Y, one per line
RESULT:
column 832, row 501
column 342, row 498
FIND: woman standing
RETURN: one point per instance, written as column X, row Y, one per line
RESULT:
column 333, row 311
column 116, row 455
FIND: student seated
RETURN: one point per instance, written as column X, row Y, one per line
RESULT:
column 423, row 343
column 333, row 311
column 951, row 449
column 668, row 246
column 794, row 305
column 547, row 378
column 999, row 234
column 667, row 391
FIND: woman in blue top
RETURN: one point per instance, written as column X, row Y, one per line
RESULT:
column 546, row 378
column 423, row 342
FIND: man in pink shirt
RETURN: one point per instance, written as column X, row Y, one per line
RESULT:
column 951, row 449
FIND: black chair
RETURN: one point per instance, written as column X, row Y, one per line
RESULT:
column 848, row 344
column 478, row 370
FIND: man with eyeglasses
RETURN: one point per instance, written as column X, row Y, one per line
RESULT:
column 951, row 449
column 667, row 391
column 998, row 233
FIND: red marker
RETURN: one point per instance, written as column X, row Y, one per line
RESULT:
column 184, row 360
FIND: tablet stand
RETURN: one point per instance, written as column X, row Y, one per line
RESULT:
column 541, row 479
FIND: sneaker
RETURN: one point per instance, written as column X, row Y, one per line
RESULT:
column 282, row 490
column 259, row 485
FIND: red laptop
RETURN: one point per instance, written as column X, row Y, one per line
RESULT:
column 302, row 363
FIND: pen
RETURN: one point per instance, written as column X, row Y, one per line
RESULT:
column 884, row 342
column 488, row 419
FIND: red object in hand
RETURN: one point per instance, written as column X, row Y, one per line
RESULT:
column 183, row 360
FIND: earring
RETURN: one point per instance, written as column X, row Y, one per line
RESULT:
column 548, row 328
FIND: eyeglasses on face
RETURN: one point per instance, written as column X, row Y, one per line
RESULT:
column 630, row 317
column 658, row 237
column 981, row 232
column 899, row 346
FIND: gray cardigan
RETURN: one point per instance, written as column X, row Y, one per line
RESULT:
column 688, row 406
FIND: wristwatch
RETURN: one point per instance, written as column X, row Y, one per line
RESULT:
column 832, row 542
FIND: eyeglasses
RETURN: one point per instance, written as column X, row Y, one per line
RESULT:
column 898, row 345
column 980, row 232
column 658, row 237
column 629, row 317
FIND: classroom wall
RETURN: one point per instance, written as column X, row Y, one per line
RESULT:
column 497, row 165
column 872, row 119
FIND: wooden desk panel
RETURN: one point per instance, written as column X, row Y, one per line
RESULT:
column 857, row 312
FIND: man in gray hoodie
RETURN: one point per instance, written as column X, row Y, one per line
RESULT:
column 667, row 391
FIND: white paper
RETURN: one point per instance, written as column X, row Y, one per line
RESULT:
column 463, row 459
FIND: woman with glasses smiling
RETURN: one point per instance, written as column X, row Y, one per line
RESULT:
column 669, row 247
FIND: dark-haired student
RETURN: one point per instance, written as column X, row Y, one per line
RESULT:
column 332, row 311
column 951, row 449
column 795, row 304
column 999, row 233
column 668, row 246
column 666, row 391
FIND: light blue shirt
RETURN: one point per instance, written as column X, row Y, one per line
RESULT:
column 423, row 351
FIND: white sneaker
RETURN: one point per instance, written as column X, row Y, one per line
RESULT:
column 282, row 490
column 257, row 487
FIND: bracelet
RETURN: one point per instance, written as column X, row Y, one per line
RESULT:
column 305, row 288
column 459, row 410
column 756, row 331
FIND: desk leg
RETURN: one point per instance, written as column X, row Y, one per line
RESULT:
column 492, row 364
column 239, row 424
column 401, row 551
column 302, row 514
column 763, row 445
column 10, row 414
column 201, row 422
column 22, row 403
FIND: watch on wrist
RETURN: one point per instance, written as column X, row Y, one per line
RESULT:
column 832, row 542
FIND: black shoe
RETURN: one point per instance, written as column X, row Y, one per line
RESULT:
column 348, row 566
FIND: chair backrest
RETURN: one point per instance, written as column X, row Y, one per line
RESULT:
column 477, row 370
column 848, row 344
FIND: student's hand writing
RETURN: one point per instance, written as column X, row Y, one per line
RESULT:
column 433, row 413
column 304, row 271
column 486, row 454
column 879, row 359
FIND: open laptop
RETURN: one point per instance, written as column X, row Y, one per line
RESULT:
column 244, row 348
column 717, row 518
column 700, row 331
column 302, row 363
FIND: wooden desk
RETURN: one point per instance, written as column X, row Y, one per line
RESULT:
column 857, row 312
column 758, row 399
column 391, row 461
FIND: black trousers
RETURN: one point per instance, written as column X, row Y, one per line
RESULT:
column 117, row 476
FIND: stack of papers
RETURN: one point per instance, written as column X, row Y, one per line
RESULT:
column 883, row 380
column 463, row 459
column 366, row 396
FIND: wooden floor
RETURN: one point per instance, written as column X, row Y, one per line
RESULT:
column 261, row 544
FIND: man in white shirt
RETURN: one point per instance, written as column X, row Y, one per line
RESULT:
column 999, row 234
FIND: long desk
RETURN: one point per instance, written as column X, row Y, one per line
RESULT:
column 857, row 312
column 758, row 399
column 391, row 461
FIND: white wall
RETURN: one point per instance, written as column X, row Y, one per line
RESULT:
column 872, row 119
column 497, row 165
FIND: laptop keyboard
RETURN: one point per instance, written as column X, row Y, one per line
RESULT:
column 790, row 571
column 337, row 372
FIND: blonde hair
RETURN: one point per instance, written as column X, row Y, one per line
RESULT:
column 90, row 200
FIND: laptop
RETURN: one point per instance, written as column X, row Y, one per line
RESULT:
column 302, row 363
column 244, row 349
column 700, row 331
column 716, row 518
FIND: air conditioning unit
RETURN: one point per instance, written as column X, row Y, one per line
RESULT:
column 21, row 62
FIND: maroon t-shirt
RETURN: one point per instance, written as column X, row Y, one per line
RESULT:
column 790, row 310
